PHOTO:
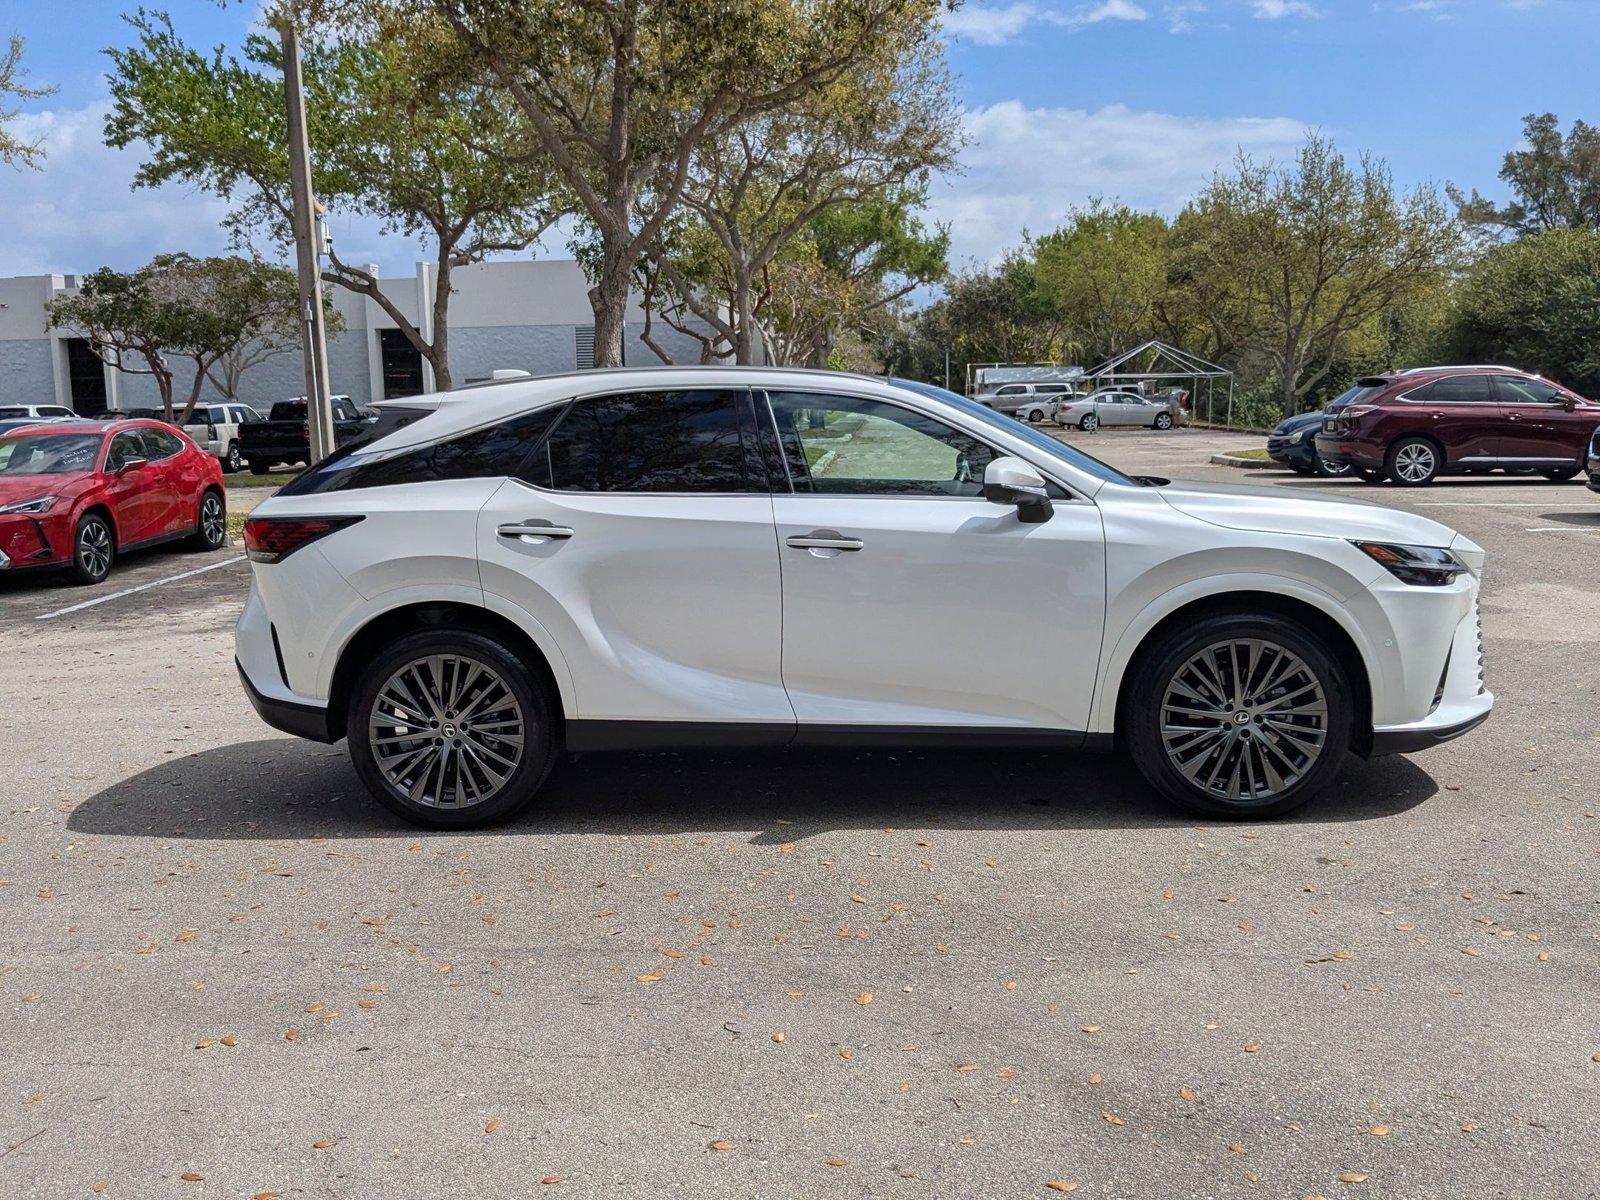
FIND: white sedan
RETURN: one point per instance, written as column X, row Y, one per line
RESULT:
column 708, row 557
column 1115, row 408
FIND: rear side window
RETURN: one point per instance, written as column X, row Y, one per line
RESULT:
column 1013, row 390
column 161, row 444
column 646, row 442
column 488, row 453
column 1457, row 389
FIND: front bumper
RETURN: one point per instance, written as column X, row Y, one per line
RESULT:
column 1290, row 452
column 1460, row 701
column 32, row 541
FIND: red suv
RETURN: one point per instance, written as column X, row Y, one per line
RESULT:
column 75, row 495
column 1413, row 426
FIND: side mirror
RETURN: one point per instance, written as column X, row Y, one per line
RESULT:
column 131, row 464
column 1569, row 404
column 1011, row 481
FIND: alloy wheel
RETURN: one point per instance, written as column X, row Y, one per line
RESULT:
column 213, row 524
column 1332, row 468
column 94, row 548
column 446, row 731
column 1414, row 462
column 1089, row 423
column 1244, row 720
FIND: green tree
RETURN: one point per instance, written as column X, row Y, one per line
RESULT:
column 14, row 86
column 622, row 95
column 1298, row 259
column 1554, row 180
column 1105, row 272
column 427, row 153
column 176, row 308
column 1533, row 303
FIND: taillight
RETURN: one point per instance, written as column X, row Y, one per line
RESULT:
column 1352, row 411
column 273, row 539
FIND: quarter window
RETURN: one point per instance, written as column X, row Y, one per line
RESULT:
column 1515, row 389
column 646, row 442
column 842, row 445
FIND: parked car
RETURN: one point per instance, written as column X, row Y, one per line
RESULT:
column 1419, row 424
column 1011, row 397
column 10, row 412
column 1293, row 443
column 621, row 559
column 77, row 496
column 215, row 428
column 285, row 436
column 1592, row 462
column 1116, row 406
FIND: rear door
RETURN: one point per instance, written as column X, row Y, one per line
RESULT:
column 910, row 601
column 639, row 535
column 1536, row 425
column 1460, row 413
column 174, row 482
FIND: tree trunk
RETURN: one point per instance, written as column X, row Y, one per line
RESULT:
column 609, row 300
column 744, row 320
column 438, row 349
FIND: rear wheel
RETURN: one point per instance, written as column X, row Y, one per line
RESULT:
column 1560, row 475
column 233, row 461
column 1246, row 715
column 450, row 729
column 211, row 526
column 93, row 550
column 1331, row 468
column 259, row 466
column 1088, row 422
column 1413, row 462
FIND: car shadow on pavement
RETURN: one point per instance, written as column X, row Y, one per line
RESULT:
column 282, row 788
column 1583, row 520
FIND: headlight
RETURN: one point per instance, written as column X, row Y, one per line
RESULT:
column 39, row 504
column 1424, row 566
column 1305, row 435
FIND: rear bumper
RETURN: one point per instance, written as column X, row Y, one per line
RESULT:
column 1592, row 467
column 302, row 720
column 1349, row 450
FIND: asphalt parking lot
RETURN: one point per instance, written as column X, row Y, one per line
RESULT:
column 224, row 972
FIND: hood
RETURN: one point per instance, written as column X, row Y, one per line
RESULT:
column 1279, row 510
column 14, row 488
column 1298, row 422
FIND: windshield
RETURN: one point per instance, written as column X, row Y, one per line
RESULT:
column 1039, row 440
column 48, row 454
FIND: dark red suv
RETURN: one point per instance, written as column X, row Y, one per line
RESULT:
column 1413, row 426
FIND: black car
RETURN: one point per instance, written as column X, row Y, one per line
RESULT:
column 285, row 436
column 1293, row 444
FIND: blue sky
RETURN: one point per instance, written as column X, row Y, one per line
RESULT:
column 1137, row 99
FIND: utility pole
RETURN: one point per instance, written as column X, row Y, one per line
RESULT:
column 308, row 251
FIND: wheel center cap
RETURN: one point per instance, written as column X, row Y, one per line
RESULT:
column 449, row 730
column 1241, row 718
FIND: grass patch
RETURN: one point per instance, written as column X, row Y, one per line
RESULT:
column 246, row 480
column 236, row 526
column 1258, row 454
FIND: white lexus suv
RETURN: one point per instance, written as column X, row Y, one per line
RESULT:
column 679, row 557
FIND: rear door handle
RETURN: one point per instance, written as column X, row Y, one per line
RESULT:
column 535, row 528
column 823, row 539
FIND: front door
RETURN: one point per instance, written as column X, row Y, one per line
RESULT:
column 1536, row 426
column 658, row 576
column 133, row 492
column 909, row 601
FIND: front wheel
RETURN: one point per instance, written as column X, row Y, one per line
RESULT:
column 93, row 550
column 449, row 729
column 1163, row 420
column 1247, row 715
column 1413, row 462
column 1370, row 475
column 1088, row 422
column 1560, row 474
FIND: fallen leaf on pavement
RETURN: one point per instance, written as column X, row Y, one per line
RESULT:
column 1112, row 1119
column 1062, row 1185
column 864, row 998
column 720, row 1145
column 1352, row 1177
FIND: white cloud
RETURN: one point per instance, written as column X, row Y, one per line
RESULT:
column 993, row 25
column 1026, row 167
column 1273, row 10
column 81, row 211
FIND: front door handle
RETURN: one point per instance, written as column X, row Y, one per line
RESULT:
column 535, row 531
column 823, row 539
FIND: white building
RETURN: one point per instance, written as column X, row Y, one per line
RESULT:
column 530, row 315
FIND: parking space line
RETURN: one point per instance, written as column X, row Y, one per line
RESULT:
column 143, row 587
column 1486, row 504
column 1561, row 529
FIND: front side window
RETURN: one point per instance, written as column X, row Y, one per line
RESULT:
column 843, row 445
column 1515, row 389
column 1013, row 390
column 685, row 441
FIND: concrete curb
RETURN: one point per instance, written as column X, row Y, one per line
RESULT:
column 1244, row 464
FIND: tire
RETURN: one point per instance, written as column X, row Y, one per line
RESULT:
column 1370, row 475
column 1088, row 422
column 1328, row 469
column 438, row 660
column 233, row 461
column 94, row 549
column 1242, row 784
column 1163, row 421
column 211, row 523
column 1413, row 462
column 259, row 467
column 1560, row 475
